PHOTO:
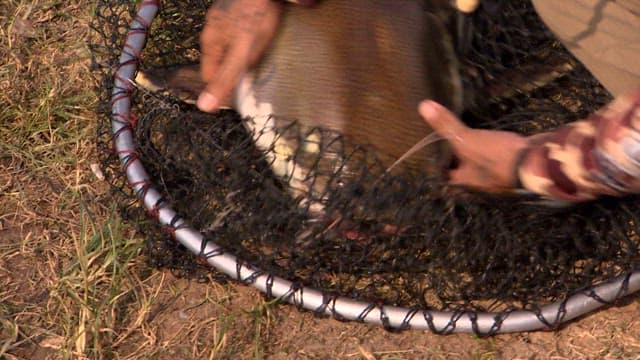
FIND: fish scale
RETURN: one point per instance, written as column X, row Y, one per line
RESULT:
column 356, row 68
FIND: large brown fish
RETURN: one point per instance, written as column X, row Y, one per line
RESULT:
column 356, row 67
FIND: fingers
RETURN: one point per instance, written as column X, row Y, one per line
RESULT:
column 447, row 125
column 451, row 128
column 470, row 176
column 486, row 158
column 443, row 121
column 226, row 76
column 234, row 38
column 467, row 6
column 215, row 39
column 214, row 46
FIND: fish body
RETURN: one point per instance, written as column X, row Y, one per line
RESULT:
column 359, row 68
column 355, row 68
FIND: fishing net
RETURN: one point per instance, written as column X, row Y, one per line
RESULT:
column 399, row 240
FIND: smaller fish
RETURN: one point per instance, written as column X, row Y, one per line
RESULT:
column 180, row 81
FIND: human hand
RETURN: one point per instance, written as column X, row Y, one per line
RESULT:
column 235, row 35
column 486, row 159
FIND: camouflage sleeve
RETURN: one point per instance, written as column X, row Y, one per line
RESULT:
column 587, row 159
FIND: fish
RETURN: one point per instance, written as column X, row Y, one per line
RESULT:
column 349, row 74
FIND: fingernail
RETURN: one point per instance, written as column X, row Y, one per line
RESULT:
column 428, row 109
column 207, row 102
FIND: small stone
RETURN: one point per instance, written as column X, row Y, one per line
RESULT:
column 97, row 171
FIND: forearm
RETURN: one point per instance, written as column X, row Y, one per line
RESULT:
column 589, row 158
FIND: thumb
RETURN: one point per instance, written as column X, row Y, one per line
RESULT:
column 442, row 121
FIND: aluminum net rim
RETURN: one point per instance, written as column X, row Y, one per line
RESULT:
column 392, row 317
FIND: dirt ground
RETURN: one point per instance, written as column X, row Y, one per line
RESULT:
column 74, row 283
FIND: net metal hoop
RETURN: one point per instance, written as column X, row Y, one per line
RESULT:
column 487, row 323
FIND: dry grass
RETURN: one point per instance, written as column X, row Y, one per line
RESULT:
column 73, row 282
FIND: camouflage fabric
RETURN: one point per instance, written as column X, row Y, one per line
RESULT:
column 600, row 155
column 587, row 159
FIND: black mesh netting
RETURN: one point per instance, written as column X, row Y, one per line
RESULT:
column 403, row 240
